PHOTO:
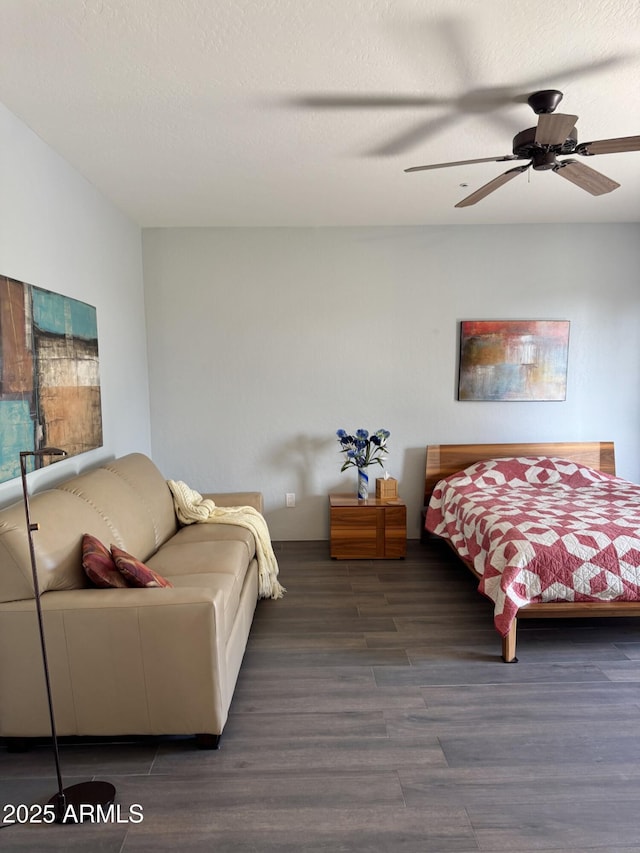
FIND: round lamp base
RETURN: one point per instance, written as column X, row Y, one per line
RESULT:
column 84, row 801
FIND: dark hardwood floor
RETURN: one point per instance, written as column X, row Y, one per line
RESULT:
column 373, row 714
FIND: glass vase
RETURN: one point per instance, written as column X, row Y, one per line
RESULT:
column 363, row 484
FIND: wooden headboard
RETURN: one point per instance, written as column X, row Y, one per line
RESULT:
column 445, row 459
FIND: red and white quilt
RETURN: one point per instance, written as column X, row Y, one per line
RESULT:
column 541, row 529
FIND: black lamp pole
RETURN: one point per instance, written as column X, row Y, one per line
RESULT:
column 85, row 794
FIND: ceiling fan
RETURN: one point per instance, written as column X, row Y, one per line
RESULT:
column 554, row 135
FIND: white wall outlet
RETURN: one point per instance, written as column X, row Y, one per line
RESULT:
column 290, row 499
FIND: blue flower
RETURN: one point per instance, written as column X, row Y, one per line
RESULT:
column 361, row 449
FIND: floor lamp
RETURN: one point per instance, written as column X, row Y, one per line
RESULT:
column 77, row 802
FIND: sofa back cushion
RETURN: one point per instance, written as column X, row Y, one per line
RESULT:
column 63, row 518
column 125, row 502
column 128, row 493
column 151, row 493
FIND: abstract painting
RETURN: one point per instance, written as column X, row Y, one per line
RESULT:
column 49, row 377
column 512, row 360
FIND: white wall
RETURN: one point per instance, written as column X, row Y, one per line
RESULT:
column 263, row 342
column 58, row 233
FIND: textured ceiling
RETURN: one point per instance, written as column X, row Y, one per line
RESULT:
column 210, row 112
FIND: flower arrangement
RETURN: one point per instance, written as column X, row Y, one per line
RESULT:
column 362, row 449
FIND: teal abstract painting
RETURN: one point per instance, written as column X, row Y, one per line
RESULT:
column 49, row 374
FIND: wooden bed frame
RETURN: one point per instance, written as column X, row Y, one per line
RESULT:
column 445, row 459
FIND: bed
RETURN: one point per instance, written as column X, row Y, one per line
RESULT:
column 547, row 528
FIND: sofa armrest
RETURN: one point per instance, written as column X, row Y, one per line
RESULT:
column 122, row 661
column 253, row 499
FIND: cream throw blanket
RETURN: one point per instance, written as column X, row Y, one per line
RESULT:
column 191, row 507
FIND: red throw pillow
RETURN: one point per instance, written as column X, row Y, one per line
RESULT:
column 135, row 572
column 98, row 563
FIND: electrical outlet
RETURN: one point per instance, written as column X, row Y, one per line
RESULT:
column 290, row 499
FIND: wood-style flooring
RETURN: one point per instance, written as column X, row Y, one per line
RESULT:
column 373, row 714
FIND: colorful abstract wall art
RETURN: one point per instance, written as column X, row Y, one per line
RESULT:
column 49, row 377
column 512, row 360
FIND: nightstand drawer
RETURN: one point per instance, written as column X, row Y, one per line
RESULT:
column 372, row 529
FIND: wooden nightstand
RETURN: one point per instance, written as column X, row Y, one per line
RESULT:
column 367, row 530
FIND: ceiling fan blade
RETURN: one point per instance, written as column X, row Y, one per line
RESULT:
column 463, row 163
column 585, row 177
column 571, row 72
column 408, row 138
column 337, row 101
column 455, row 34
column 609, row 146
column 495, row 184
column 554, row 128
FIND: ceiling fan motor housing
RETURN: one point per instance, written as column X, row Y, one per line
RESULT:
column 543, row 156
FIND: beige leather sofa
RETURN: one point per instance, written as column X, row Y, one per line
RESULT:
column 123, row 661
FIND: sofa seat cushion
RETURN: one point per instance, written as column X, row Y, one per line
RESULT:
column 217, row 532
column 194, row 558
